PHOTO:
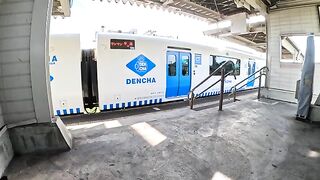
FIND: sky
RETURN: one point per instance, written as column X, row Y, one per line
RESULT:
column 88, row 16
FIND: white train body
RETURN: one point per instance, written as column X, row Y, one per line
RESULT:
column 65, row 74
column 136, row 70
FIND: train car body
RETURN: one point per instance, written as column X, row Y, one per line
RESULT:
column 65, row 74
column 135, row 70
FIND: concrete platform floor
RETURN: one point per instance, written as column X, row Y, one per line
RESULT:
column 248, row 140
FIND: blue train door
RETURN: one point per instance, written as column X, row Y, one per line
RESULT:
column 178, row 74
column 251, row 70
column 184, row 74
column 172, row 74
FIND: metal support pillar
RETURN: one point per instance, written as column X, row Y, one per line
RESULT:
column 259, row 90
column 235, row 94
column 191, row 100
column 221, row 89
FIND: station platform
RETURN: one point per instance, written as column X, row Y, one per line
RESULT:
column 249, row 139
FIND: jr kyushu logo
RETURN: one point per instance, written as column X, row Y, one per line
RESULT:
column 141, row 65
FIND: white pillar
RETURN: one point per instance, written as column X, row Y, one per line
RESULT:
column 39, row 60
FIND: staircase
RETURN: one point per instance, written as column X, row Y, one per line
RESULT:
column 262, row 72
column 314, row 112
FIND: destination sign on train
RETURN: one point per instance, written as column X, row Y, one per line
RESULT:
column 122, row 44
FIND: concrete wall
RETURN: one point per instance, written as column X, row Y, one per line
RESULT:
column 15, row 79
column 41, row 138
column 1, row 119
column 283, row 76
column 6, row 152
column 24, row 94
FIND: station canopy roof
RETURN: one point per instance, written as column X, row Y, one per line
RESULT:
column 213, row 11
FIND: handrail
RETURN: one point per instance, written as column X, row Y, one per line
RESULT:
column 223, row 76
column 226, row 75
column 245, row 84
column 219, row 68
column 234, row 87
column 265, row 67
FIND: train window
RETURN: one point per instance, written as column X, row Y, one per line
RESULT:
column 185, row 65
column 216, row 61
column 172, row 64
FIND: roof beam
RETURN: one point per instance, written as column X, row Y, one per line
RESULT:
column 256, row 29
column 217, row 31
column 65, row 4
column 292, row 48
column 166, row 2
column 294, row 3
column 240, row 40
column 61, row 8
column 256, row 4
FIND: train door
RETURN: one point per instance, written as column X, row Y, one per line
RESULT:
column 251, row 70
column 178, row 74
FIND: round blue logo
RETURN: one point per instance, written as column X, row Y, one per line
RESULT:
column 141, row 65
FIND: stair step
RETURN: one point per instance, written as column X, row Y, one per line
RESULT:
column 314, row 114
column 317, row 103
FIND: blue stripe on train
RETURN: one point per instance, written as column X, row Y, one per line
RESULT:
column 131, row 104
column 135, row 103
column 213, row 93
column 68, row 111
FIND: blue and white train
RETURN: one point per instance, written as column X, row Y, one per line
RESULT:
column 127, row 70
